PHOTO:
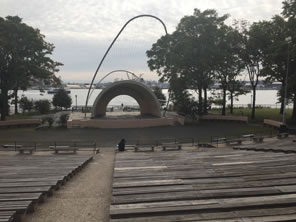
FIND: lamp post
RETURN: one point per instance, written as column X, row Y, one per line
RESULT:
column 288, row 40
column 76, row 101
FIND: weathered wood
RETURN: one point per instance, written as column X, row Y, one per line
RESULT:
column 282, row 135
column 26, row 179
column 30, row 150
column 204, row 185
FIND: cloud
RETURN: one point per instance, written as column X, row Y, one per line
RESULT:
column 82, row 30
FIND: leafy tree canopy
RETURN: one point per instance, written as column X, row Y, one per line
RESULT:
column 24, row 58
column 61, row 99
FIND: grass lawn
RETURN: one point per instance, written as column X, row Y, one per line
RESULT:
column 260, row 114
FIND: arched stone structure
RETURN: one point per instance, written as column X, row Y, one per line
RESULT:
column 146, row 99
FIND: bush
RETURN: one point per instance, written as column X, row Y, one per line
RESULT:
column 42, row 106
column 63, row 119
column 49, row 120
column 61, row 99
column 26, row 104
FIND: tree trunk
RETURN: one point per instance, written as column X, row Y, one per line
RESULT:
column 205, row 107
column 282, row 107
column 254, row 103
column 293, row 118
column 231, row 102
column 4, row 103
column 15, row 101
column 282, row 94
column 224, row 102
column 199, row 101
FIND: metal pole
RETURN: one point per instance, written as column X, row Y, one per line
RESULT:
column 114, row 40
column 76, row 101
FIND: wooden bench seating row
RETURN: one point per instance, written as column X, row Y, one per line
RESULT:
column 37, row 177
column 139, row 147
column 57, row 149
column 7, row 216
column 282, row 135
column 177, row 146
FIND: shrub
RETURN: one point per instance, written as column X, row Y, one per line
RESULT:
column 26, row 104
column 63, row 119
column 61, row 99
column 49, row 120
column 42, row 106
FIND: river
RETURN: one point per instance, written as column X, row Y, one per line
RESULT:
column 263, row 98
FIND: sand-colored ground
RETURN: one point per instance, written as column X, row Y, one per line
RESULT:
column 86, row 197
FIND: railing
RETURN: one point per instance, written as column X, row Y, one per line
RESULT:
column 91, row 145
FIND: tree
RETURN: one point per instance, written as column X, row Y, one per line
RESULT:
column 23, row 59
column 235, row 89
column 26, row 104
column 188, row 55
column 289, row 12
column 159, row 95
column 254, row 44
column 228, row 62
column 42, row 106
column 61, row 99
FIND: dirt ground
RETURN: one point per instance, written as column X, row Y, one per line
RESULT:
column 86, row 197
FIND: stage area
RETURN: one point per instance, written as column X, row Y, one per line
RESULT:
column 122, row 120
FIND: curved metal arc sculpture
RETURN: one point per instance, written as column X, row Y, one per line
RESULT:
column 114, row 40
column 119, row 70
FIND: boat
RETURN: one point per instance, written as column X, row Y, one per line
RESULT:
column 54, row 91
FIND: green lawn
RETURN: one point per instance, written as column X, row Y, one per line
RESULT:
column 260, row 114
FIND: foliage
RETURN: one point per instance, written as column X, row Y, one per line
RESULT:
column 42, row 106
column 23, row 58
column 26, row 104
column 188, row 55
column 49, row 120
column 61, row 99
column 63, row 119
column 228, row 63
column 159, row 95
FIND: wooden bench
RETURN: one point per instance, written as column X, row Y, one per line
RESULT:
column 63, row 148
column 258, row 139
column 219, row 140
column 206, row 145
column 171, row 145
column 248, row 136
column 235, row 141
column 282, row 135
column 22, row 150
column 12, row 146
column 127, row 147
column 149, row 146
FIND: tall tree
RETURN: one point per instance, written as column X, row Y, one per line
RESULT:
column 228, row 62
column 275, row 56
column 23, row 58
column 289, row 12
column 189, row 53
column 252, row 54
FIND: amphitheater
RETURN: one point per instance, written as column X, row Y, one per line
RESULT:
column 246, row 178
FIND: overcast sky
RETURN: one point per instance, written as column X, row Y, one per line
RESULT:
column 82, row 30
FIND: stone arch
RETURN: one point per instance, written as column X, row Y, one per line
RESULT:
column 149, row 104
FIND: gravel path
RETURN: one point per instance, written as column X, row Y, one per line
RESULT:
column 86, row 197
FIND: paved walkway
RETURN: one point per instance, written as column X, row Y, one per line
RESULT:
column 86, row 197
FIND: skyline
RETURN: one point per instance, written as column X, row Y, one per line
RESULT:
column 82, row 31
